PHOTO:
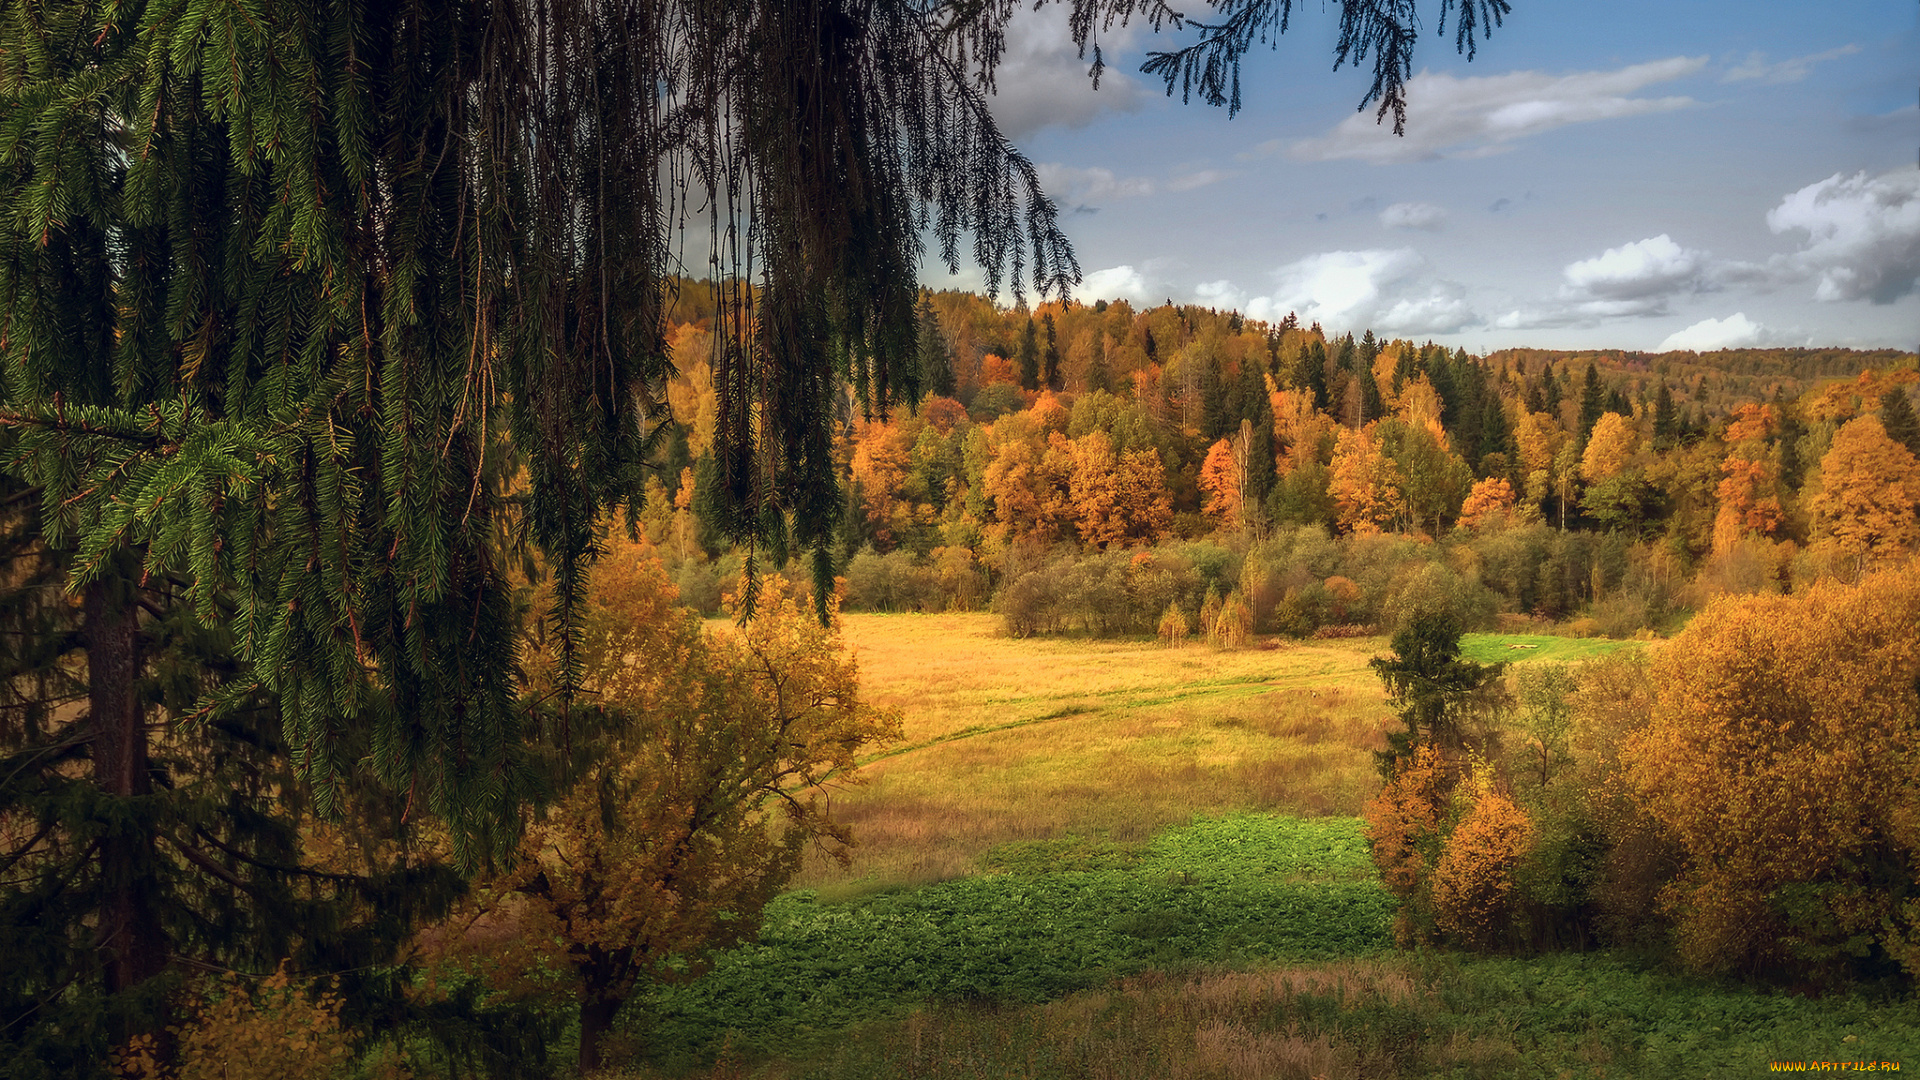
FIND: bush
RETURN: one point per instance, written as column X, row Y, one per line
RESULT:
column 1473, row 891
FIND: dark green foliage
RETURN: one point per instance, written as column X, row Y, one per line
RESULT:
column 1436, row 691
column 1050, row 357
column 1897, row 416
column 1099, row 379
column 1666, row 423
column 1028, row 357
column 936, row 359
column 1218, row 418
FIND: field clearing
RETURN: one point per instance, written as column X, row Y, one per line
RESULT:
column 1011, row 740
column 1021, row 740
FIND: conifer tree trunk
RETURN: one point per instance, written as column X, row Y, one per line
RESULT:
column 131, row 941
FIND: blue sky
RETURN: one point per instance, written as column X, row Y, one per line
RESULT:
column 1632, row 175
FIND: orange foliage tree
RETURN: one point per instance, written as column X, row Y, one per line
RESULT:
column 696, row 805
column 1490, row 500
column 1472, row 887
column 1783, row 756
column 1220, row 478
column 1365, row 485
column 1869, row 486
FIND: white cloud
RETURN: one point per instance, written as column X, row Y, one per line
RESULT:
column 1863, row 235
column 1413, row 215
column 1113, row 283
column 1067, row 184
column 1756, row 68
column 1735, row 331
column 1481, row 115
column 1388, row 290
column 1042, row 80
column 1636, row 279
column 1645, row 269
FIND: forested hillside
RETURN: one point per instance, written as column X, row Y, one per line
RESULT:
column 1100, row 468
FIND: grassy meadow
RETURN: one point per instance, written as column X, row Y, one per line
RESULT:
column 1112, row 859
column 1011, row 740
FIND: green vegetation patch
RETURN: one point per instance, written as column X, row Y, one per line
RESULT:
column 1491, row 648
column 1405, row 1016
column 1058, row 917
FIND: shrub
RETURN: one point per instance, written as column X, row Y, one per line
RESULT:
column 1405, row 830
column 280, row 1030
column 1473, row 890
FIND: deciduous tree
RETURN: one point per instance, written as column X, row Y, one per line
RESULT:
column 700, row 798
column 1782, row 754
column 1869, row 498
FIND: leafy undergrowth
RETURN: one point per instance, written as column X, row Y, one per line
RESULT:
column 1051, row 919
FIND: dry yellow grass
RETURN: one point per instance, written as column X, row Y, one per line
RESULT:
column 1012, row 740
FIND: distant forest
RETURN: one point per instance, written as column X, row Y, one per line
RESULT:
column 1141, row 460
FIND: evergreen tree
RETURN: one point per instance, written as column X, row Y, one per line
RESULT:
column 1027, row 357
column 317, row 314
column 1666, row 422
column 1435, row 690
column 936, row 360
column 1310, row 372
column 1792, row 430
column 1050, row 358
column 1592, row 402
column 1217, row 416
column 1251, row 402
column 1099, row 379
column 1550, row 395
column 1147, row 344
column 1897, row 416
column 1372, row 406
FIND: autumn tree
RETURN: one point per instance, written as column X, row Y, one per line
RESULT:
column 1365, row 485
column 705, row 757
column 1487, row 502
column 1869, row 498
column 1782, row 755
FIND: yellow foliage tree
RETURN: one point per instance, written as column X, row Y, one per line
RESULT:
column 696, row 806
column 1117, row 498
column 1783, row 756
column 1869, row 485
column 1365, row 485
column 1404, row 832
column 1609, row 448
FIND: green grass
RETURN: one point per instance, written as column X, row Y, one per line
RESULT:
column 1491, row 648
column 1049, row 918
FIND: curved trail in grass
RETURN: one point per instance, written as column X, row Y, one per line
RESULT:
column 1245, row 687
